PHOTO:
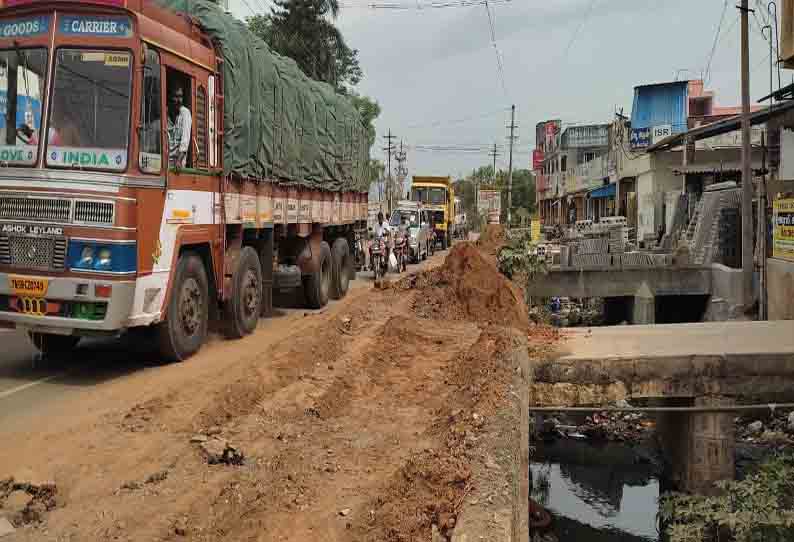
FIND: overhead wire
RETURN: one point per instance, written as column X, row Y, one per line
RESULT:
column 499, row 66
column 714, row 45
column 578, row 29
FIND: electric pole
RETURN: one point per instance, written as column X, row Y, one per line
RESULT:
column 494, row 153
column 389, row 149
column 402, row 171
column 510, row 162
column 747, row 180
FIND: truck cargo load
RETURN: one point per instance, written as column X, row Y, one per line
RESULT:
column 264, row 93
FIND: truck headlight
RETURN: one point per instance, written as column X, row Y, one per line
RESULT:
column 97, row 256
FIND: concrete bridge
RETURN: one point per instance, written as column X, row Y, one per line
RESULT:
column 703, row 367
column 639, row 291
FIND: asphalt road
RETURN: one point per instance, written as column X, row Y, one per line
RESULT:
column 29, row 386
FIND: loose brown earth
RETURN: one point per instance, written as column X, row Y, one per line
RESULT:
column 355, row 423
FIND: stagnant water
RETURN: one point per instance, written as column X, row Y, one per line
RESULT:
column 605, row 493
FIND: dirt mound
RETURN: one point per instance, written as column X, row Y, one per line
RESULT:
column 492, row 238
column 468, row 287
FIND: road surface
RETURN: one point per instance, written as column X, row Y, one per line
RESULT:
column 31, row 388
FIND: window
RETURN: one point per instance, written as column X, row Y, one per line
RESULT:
column 90, row 112
column 201, row 127
column 589, row 157
column 150, row 158
column 564, row 163
column 180, row 120
column 22, row 77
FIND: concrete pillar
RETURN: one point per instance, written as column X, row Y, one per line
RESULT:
column 643, row 310
column 712, row 453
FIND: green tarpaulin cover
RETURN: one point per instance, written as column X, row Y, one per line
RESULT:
column 277, row 121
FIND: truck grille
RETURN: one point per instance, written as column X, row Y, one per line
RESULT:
column 48, row 209
column 93, row 212
column 57, row 210
column 33, row 252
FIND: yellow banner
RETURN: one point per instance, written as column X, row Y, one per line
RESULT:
column 783, row 232
column 535, row 229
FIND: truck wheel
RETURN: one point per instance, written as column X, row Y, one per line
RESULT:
column 51, row 345
column 242, row 309
column 185, row 327
column 342, row 262
column 317, row 285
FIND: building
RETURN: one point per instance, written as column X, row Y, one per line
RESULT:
column 570, row 165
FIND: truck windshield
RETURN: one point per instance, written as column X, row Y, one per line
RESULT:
column 90, row 113
column 433, row 196
column 22, row 78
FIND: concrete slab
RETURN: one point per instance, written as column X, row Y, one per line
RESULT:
column 731, row 339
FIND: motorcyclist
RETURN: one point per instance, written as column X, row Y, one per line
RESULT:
column 383, row 226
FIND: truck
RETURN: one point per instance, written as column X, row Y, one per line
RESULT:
column 108, row 226
column 438, row 197
column 489, row 204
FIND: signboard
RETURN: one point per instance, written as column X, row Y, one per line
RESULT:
column 660, row 132
column 118, row 3
column 112, row 159
column 783, row 229
column 24, row 27
column 535, row 230
column 537, row 159
column 640, row 137
column 109, row 27
column 489, row 203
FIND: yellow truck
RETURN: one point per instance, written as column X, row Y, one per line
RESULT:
column 437, row 196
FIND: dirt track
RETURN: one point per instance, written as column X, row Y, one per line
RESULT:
column 354, row 424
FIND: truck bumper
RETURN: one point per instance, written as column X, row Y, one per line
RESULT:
column 73, row 291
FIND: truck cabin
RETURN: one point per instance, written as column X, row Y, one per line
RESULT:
column 84, row 85
column 432, row 197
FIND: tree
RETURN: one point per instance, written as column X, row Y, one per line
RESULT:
column 303, row 30
column 369, row 110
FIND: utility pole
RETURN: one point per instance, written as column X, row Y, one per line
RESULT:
column 747, row 180
column 402, row 172
column 510, row 162
column 389, row 149
column 494, row 153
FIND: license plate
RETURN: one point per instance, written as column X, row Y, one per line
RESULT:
column 28, row 286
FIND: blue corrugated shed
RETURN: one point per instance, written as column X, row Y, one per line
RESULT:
column 657, row 105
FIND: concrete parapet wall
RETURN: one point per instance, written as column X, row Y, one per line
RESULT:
column 488, row 512
column 611, row 282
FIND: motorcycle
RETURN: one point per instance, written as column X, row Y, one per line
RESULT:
column 378, row 257
column 401, row 251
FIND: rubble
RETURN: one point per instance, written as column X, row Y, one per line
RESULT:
column 219, row 451
column 756, row 428
column 5, row 527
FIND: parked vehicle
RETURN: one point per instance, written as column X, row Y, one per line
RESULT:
column 103, row 231
column 418, row 225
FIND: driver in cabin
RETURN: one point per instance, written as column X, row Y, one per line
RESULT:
column 180, row 125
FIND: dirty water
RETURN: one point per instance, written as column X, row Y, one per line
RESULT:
column 597, row 493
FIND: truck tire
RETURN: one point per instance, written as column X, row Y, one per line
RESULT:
column 52, row 346
column 317, row 285
column 342, row 262
column 241, row 311
column 185, row 327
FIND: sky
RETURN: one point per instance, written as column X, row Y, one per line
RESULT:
column 435, row 74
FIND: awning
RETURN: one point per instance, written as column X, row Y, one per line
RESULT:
column 607, row 191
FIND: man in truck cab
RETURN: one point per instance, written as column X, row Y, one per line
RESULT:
column 180, row 124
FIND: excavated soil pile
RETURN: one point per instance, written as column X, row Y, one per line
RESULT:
column 468, row 287
column 492, row 238
column 427, row 492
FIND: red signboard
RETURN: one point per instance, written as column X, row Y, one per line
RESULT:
column 119, row 3
column 550, row 126
column 537, row 159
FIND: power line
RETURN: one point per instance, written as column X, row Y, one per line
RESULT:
column 714, row 46
column 579, row 28
column 421, row 6
column 499, row 66
column 432, row 124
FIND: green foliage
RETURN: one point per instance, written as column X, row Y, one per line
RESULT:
column 518, row 256
column 369, row 110
column 523, row 189
column 303, row 30
column 759, row 508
